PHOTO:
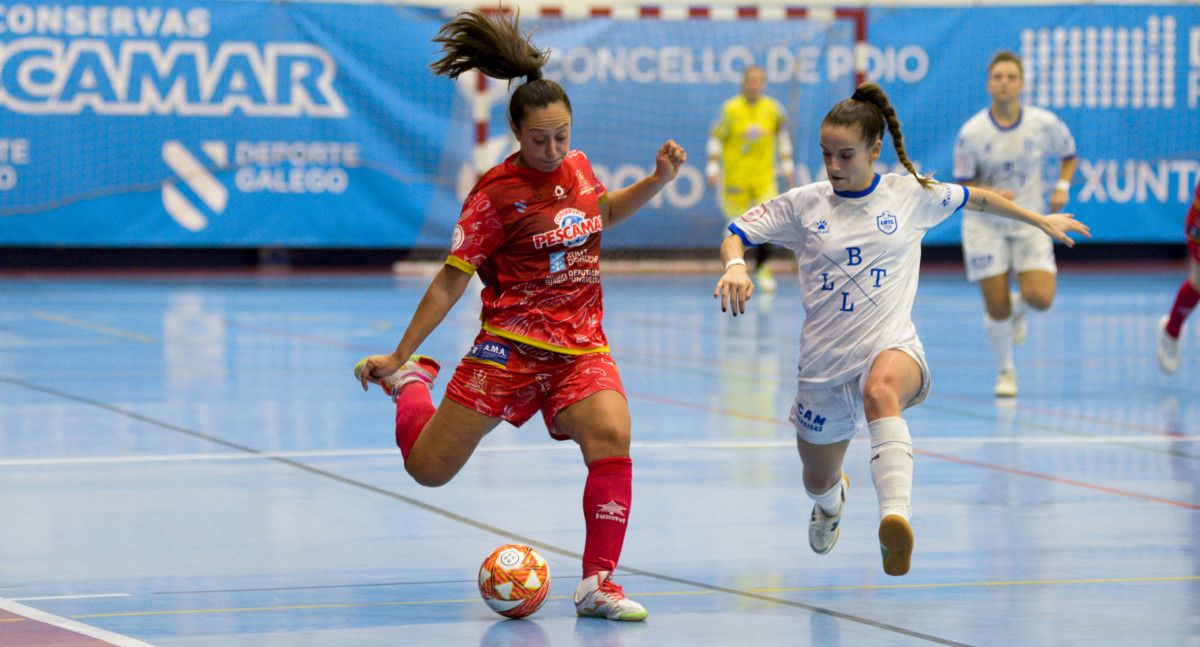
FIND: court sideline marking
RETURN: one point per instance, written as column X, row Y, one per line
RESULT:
column 29, row 613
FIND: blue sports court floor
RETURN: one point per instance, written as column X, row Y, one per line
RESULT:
column 187, row 460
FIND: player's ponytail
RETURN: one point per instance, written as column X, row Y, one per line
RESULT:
column 496, row 47
column 869, row 109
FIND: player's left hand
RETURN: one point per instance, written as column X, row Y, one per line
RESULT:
column 1058, row 224
column 734, row 289
column 668, row 160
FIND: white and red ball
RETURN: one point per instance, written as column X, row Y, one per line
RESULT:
column 514, row 580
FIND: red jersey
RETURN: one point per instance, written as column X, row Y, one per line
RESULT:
column 534, row 238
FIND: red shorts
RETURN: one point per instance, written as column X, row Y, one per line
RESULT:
column 510, row 380
column 1191, row 227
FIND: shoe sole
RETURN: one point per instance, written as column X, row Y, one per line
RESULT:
column 634, row 616
column 896, row 544
column 628, row 617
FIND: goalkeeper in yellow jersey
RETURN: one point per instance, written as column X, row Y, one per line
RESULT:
column 744, row 146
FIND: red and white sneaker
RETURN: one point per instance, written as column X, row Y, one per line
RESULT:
column 418, row 368
column 597, row 596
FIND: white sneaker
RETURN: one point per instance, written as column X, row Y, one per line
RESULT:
column 1168, row 349
column 1006, row 384
column 824, row 529
column 1020, row 327
column 597, row 596
column 418, row 368
column 766, row 280
column 895, row 544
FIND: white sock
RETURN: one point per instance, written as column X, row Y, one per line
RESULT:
column 829, row 501
column 999, row 334
column 892, row 465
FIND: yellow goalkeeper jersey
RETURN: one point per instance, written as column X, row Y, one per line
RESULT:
column 747, row 133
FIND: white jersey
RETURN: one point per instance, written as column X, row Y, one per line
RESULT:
column 1013, row 158
column 859, row 255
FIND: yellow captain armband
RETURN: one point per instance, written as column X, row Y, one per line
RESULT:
column 459, row 264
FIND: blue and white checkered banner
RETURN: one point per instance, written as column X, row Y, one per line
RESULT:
column 254, row 123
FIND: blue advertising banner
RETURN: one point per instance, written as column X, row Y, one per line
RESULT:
column 222, row 124
column 253, row 123
column 1125, row 79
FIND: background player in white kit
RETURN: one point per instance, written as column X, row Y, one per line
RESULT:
column 1007, row 148
column 857, row 238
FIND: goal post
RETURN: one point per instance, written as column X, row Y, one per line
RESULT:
column 639, row 75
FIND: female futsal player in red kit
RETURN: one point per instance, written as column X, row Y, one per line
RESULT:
column 531, row 229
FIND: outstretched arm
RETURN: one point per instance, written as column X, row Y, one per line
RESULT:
column 735, row 287
column 444, row 291
column 623, row 203
column 1056, row 225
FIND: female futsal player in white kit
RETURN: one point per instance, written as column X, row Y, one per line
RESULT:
column 857, row 239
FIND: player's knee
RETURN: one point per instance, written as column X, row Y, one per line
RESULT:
column 427, row 474
column 998, row 311
column 605, row 439
column 820, row 483
column 1039, row 301
column 880, row 398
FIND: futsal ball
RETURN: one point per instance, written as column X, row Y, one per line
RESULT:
column 514, row 580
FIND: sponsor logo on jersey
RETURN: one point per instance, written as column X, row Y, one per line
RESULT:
column 822, row 227
column 520, row 206
column 946, row 195
column 981, row 261
column 586, row 187
column 754, row 214
column 887, row 222
column 573, row 229
column 558, row 262
column 491, row 352
column 804, row 417
column 457, row 238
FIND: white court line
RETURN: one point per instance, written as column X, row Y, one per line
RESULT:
column 70, row 625
column 72, row 597
column 718, row 445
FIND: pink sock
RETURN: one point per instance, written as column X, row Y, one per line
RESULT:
column 1185, row 300
column 606, row 498
column 414, row 408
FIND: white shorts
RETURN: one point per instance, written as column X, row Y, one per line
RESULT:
column 993, row 245
column 824, row 415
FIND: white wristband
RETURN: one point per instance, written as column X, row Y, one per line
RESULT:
column 735, row 261
column 1062, row 185
column 711, row 169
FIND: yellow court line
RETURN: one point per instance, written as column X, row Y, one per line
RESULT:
column 87, row 325
column 760, row 590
